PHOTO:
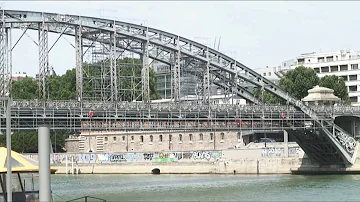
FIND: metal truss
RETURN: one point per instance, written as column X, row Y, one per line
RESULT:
column 131, row 37
column 5, row 72
column 176, row 73
column 206, row 83
column 113, row 69
column 145, row 70
column 43, row 61
column 79, row 60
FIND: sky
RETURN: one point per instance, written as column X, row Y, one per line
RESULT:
column 258, row 34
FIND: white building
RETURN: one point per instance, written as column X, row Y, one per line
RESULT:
column 340, row 63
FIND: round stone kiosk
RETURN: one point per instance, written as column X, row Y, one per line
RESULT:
column 321, row 96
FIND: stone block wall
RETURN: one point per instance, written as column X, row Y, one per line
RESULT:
column 153, row 141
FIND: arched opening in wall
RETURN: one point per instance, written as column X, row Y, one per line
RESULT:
column 114, row 138
column 123, row 138
column 190, row 137
column 238, row 135
column 151, row 138
column 160, row 138
column 106, row 138
column 201, row 137
column 222, row 135
column 142, row 138
column 155, row 171
column 132, row 138
column 170, row 138
column 211, row 136
column 180, row 138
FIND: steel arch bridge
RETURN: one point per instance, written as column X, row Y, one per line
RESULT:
column 107, row 40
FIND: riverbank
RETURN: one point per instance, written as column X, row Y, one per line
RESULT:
column 255, row 158
column 245, row 166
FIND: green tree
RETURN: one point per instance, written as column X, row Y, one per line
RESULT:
column 338, row 85
column 298, row 81
column 27, row 141
column 25, row 89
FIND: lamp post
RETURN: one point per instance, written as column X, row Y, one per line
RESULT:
column 8, row 147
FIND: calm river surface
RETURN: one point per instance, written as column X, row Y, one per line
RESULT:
column 208, row 187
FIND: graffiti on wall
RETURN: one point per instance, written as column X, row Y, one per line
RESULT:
column 272, row 152
column 85, row 158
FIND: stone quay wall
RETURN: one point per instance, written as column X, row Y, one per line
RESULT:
column 256, row 158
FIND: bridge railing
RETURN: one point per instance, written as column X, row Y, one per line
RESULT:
column 187, row 106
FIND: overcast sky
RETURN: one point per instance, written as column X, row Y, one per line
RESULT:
column 258, row 34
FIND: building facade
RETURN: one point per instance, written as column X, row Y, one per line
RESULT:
column 343, row 63
column 146, row 141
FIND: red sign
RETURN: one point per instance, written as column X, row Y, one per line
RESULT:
column 283, row 115
column 91, row 113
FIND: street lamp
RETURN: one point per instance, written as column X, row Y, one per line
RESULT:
column 7, row 99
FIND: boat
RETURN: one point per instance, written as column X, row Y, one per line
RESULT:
column 24, row 176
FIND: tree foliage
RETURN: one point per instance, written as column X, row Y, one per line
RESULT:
column 338, row 85
column 63, row 87
column 298, row 81
column 27, row 141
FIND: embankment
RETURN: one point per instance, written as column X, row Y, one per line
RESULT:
column 245, row 166
column 255, row 158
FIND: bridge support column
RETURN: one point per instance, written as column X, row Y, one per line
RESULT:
column 145, row 70
column 286, row 144
column 44, row 163
column 43, row 61
column 79, row 59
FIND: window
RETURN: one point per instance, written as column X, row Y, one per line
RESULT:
column 180, row 137
column 353, row 88
column 354, row 66
column 354, row 99
column 106, row 138
column 317, row 70
column 201, row 137
column 334, row 68
column 344, row 77
column 265, row 74
column 324, row 69
column 190, row 137
column 141, row 138
column 343, row 67
column 329, row 58
column 151, row 138
column 301, row 61
column 170, row 137
column 320, row 59
column 160, row 138
column 123, row 138
column 211, row 136
column 114, row 138
column 353, row 77
column 239, row 135
column 132, row 138
column 269, row 73
column 222, row 136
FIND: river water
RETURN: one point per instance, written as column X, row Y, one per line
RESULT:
column 208, row 187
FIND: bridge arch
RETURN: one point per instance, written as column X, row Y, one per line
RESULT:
column 179, row 52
